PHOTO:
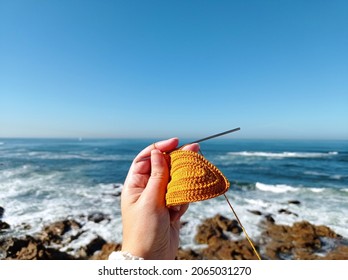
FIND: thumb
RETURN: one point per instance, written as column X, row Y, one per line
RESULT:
column 157, row 185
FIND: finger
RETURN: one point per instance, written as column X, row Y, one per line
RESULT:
column 157, row 185
column 191, row 147
column 163, row 146
column 142, row 163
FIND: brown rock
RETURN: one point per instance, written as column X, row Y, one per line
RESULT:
column 95, row 245
column 213, row 232
column 106, row 250
column 214, row 228
column 54, row 232
column 339, row 253
column 302, row 241
column 229, row 250
column 206, row 231
column 29, row 248
column 188, row 255
column 324, row 231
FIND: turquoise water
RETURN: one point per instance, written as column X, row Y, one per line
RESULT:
column 44, row 180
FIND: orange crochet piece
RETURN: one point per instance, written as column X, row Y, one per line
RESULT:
column 193, row 178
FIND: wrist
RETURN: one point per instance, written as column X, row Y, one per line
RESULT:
column 123, row 255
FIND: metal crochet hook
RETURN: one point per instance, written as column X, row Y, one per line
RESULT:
column 213, row 136
column 200, row 140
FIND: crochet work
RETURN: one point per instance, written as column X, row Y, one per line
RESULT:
column 193, row 178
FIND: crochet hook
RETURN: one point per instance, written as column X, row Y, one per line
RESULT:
column 215, row 135
column 201, row 140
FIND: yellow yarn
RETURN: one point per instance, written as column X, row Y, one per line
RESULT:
column 193, row 178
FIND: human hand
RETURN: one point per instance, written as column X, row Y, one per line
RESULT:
column 150, row 229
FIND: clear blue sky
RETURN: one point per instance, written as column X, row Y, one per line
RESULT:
column 277, row 69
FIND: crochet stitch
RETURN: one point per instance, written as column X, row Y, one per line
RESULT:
column 193, row 178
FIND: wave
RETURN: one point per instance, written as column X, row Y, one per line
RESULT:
column 320, row 174
column 282, row 188
column 283, row 154
column 257, row 202
column 14, row 172
column 278, row 188
column 52, row 156
column 316, row 190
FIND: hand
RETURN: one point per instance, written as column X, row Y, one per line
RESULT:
column 150, row 229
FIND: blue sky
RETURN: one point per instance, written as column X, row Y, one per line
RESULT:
column 277, row 69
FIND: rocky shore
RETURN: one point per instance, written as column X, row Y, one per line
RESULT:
column 220, row 238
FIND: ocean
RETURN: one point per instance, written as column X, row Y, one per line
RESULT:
column 46, row 180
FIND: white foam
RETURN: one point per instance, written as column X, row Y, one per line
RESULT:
column 8, row 173
column 282, row 154
column 316, row 190
column 257, row 202
column 278, row 188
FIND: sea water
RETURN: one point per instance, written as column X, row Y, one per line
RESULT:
column 46, row 180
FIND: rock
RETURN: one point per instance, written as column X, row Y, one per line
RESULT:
column 29, row 248
column 25, row 226
column 2, row 211
column 229, row 250
column 296, row 202
column 188, row 255
column 117, row 186
column 4, row 226
column 269, row 218
column 255, row 212
column 208, row 231
column 285, row 211
column 97, row 217
column 214, row 228
column 339, row 253
column 55, row 232
column 302, row 241
column 324, row 231
column 116, row 194
column 183, row 223
column 213, row 232
column 106, row 250
column 95, row 245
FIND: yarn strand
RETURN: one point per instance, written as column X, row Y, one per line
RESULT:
column 240, row 223
column 246, row 234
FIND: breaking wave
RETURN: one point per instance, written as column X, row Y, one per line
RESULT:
column 278, row 188
column 283, row 154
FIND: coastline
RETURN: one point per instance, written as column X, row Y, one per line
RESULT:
column 60, row 199
column 217, row 238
